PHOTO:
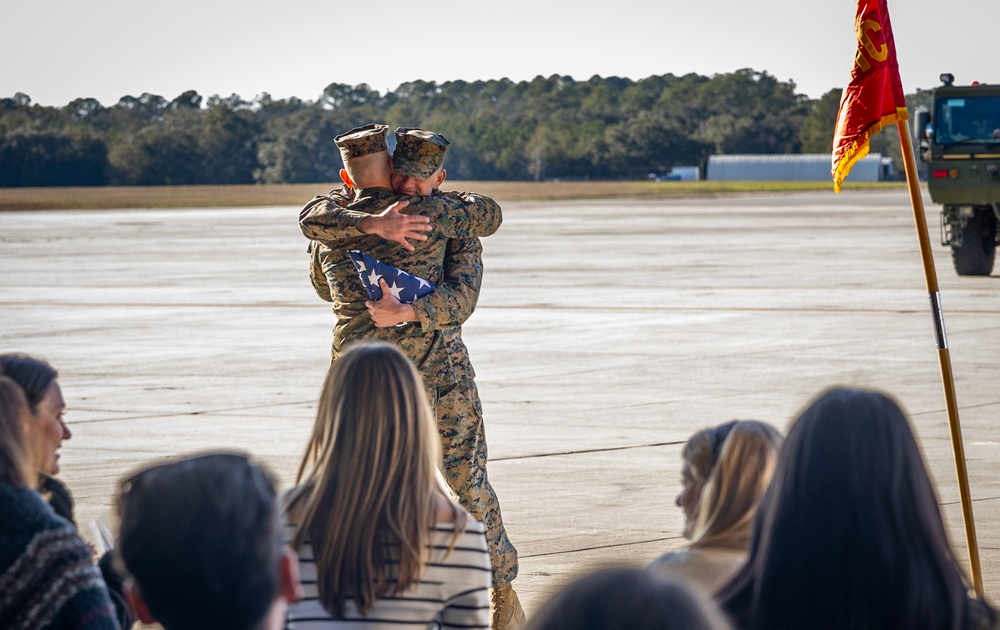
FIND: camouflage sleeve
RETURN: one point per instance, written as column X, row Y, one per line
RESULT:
column 319, row 280
column 327, row 218
column 460, row 215
column 455, row 297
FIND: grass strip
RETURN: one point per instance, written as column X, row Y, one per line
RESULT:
column 243, row 196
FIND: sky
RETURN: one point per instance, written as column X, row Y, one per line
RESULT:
column 58, row 50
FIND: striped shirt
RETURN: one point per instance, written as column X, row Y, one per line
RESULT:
column 452, row 593
column 47, row 575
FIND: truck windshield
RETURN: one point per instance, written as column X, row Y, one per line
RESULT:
column 967, row 120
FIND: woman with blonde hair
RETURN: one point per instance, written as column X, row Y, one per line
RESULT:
column 380, row 542
column 725, row 473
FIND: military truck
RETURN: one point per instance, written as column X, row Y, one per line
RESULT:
column 959, row 140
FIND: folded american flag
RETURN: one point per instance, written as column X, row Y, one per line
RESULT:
column 405, row 286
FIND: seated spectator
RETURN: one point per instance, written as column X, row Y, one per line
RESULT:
column 47, row 577
column 44, row 432
column 201, row 540
column 380, row 542
column 849, row 534
column 725, row 472
column 625, row 598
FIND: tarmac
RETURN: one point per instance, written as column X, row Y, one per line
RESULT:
column 607, row 332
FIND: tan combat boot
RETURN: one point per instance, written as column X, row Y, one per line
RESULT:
column 507, row 611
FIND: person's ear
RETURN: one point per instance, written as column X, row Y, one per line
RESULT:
column 288, row 567
column 347, row 178
column 440, row 178
column 135, row 601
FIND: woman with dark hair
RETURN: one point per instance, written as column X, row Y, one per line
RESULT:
column 849, row 534
column 627, row 598
column 47, row 578
column 380, row 542
column 45, row 431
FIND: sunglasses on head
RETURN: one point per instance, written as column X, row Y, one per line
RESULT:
column 719, row 435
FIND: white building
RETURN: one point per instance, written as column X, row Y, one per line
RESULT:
column 805, row 167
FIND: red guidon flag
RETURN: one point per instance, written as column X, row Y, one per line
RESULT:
column 874, row 97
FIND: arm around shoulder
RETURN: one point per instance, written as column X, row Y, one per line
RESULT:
column 456, row 296
column 327, row 217
column 461, row 215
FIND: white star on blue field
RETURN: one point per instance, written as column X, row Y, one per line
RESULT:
column 404, row 286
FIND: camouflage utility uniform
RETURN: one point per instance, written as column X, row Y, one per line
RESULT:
column 450, row 258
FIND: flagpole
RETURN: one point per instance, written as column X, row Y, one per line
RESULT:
column 944, row 356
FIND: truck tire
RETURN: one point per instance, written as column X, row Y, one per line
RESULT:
column 979, row 242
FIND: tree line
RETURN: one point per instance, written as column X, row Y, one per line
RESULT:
column 546, row 128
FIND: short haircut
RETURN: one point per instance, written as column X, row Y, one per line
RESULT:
column 632, row 598
column 202, row 539
column 369, row 170
column 35, row 376
column 14, row 467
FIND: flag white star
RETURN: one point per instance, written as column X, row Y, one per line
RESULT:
column 423, row 283
column 395, row 290
column 373, row 278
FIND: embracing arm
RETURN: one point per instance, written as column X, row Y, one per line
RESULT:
column 455, row 297
column 452, row 215
column 327, row 218
column 447, row 306
column 337, row 217
column 460, row 215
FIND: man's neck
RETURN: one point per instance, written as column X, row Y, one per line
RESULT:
column 374, row 182
column 275, row 618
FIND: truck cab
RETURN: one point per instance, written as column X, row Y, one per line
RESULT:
column 959, row 140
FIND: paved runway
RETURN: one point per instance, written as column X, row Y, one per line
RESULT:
column 606, row 333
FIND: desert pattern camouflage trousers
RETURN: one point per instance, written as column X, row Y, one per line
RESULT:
column 463, row 439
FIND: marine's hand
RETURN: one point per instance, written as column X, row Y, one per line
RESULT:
column 392, row 225
column 389, row 311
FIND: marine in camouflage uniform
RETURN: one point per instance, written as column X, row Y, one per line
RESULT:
column 450, row 258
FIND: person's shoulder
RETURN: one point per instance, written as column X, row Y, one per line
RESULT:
column 343, row 194
column 26, row 510
column 449, row 515
column 698, row 561
column 670, row 559
column 468, row 197
column 338, row 197
column 982, row 615
column 451, row 198
column 466, row 535
column 472, row 525
column 709, row 569
column 436, row 198
column 372, row 195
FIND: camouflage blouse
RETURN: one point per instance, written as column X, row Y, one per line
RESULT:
column 450, row 258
